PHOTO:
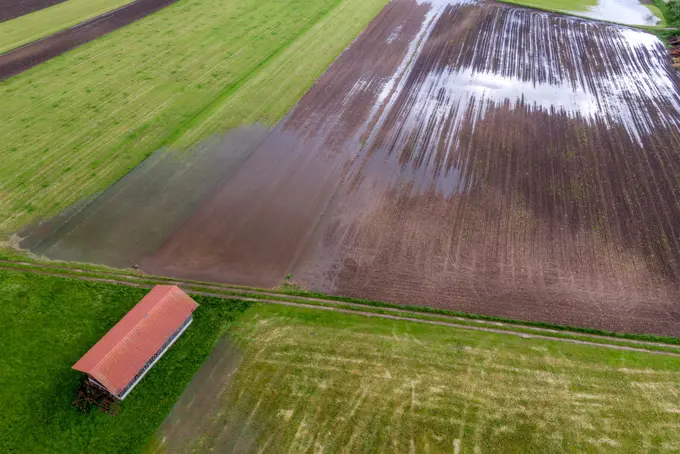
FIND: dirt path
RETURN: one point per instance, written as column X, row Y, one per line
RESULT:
column 30, row 55
column 10, row 9
column 270, row 298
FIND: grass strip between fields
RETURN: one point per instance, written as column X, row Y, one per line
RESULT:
column 45, row 22
column 294, row 295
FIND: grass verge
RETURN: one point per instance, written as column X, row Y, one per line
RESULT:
column 47, row 324
column 294, row 294
column 657, row 12
column 310, row 380
column 45, row 22
column 77, row 123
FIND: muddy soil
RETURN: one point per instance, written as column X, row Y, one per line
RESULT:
column 483, row 158
column 10, row 9
column 30, row 55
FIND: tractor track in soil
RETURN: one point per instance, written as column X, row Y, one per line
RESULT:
column 25, row 57
column 271, row 298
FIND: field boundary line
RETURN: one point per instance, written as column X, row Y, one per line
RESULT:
column 333, row 305
column 120, row 276
column 116, row 275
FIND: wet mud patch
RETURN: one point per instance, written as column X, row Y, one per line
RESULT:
column 513, row 177
column 135, row 216
column 253, row 229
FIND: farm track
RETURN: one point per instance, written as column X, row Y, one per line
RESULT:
column 480, row 158
column 9, row 9
column 32, row 54
column 269, row 297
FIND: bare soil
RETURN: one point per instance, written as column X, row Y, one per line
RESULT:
column 10, row 9
column 483, row 158
column 30, row 55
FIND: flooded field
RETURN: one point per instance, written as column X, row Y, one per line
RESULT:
column 489, row 159
column 133, row 218
column 483, row 158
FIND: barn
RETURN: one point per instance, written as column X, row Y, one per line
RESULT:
column 121, row 358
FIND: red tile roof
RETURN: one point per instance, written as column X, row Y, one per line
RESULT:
column 121, row 354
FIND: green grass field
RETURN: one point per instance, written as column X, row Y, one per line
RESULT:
column 311, row 381
column 31, row 27
column 75, row 124
column 47, row 325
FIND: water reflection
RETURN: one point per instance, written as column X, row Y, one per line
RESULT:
column 630, row 12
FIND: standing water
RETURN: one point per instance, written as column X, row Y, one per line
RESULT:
column 630, row 12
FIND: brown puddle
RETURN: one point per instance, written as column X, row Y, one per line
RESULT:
column 476, row 157
column 134, row 217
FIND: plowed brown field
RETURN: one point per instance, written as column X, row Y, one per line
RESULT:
column 483, row 158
